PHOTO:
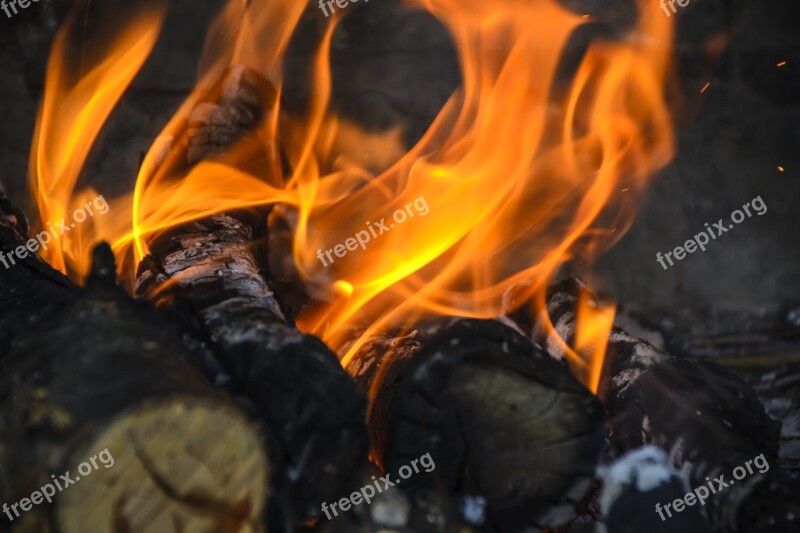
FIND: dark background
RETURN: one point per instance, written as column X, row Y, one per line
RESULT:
column 392, row 65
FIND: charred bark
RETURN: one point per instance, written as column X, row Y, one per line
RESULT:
column 215, row 270
column 294, row 384
column 88, row 370
column 501, row 420
column 707, row 420
column 227, row 122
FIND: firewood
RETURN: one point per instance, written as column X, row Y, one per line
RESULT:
column 501, row 420
column 313, row 415
column 780, row 394
column 375, row 369
column 231, row 111
column 30, row 286
column 88, row 370
column 707, row 420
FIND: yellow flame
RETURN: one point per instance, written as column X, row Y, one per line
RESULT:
column 70, row 118
column 594, row 322
column 521, row 171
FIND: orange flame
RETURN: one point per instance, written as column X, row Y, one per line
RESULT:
column 70, row 118
column 593, row 323
column 519, row 173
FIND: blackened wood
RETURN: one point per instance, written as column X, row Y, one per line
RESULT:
column 779, row 391
column 231, row 111
column 29, row 287
column 707, row 419
column 90, row 369
column 377, row 366
column 312, row 411
column 216, row 270
column 295, row 289
column 501, row 420
column 29, row 290
column 375, row 370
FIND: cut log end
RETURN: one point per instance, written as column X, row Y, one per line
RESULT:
column 110, row 399
column 178, row 464
column 491, row 409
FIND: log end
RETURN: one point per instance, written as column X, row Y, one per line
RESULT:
column 502, row 420
column 174, row 465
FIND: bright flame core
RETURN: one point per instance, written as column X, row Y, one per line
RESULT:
column 520, row 171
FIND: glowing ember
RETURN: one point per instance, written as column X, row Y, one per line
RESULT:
column 520, row 173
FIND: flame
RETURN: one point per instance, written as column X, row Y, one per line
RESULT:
column 70, row 118
column 593, row 323
column 523, row 169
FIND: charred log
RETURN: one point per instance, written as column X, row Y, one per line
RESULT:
column 708, row 420
column 95, row 385
column 294, row 383
column 501, row 420
column 229, row 116
column 376, row 370
column 28, row 285
column 216, row 271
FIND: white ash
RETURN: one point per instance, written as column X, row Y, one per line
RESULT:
column 647, row 468
column 390, row 509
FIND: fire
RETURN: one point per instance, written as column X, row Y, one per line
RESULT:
column 594, row 322
column 71, row 115
column 523, row 169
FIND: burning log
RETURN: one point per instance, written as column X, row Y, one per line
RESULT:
column 91, row 374
column 500, row 418
column 708, row 420
column 312, row 412
column 230, row 113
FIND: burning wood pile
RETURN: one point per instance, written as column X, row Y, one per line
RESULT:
column 241, row 371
